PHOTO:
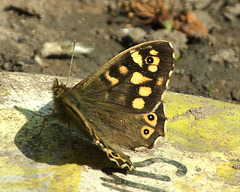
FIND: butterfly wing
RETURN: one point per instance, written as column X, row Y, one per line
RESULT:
column 120, row 104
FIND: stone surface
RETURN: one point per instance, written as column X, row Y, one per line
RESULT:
column 199, row 153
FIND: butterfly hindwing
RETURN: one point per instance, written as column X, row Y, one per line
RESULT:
column 120, row 104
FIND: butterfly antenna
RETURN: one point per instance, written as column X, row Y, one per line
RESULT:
column 18, row 95
column 71, row 63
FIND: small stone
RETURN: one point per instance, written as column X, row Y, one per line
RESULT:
column 236, row 94
column 234, row 10
column 225, row 55
column 177, row 38
column 7, row 66
column 198, row 169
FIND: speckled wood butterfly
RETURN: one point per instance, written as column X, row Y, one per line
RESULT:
column 120, row 104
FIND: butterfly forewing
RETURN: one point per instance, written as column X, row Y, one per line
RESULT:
column 120, row 104
column 134, row 77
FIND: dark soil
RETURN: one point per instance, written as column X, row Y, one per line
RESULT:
column 208, row 66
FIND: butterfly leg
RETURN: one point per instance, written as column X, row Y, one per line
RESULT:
column 53, row 115
column 70, row 134
column 46, row 118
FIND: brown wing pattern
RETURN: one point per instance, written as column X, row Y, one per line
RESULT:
column 120, row 104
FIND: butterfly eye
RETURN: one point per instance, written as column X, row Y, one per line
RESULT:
column 149, row 60
column 150, row 117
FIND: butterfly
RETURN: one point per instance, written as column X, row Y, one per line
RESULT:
column 120, row 105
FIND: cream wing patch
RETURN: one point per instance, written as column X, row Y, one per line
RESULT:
column 138, row 78
column 145, row 91
column 137, row 58
column 156, row 61
column 123, row 69
column 138, row 103
column 153, row 52
column 160, row 81
column 112, row 80
column 170, row 73
column 152, row 68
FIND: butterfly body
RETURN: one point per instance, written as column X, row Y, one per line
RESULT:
column 120, row 104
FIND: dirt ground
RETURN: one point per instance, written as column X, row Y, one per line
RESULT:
column 208, row 65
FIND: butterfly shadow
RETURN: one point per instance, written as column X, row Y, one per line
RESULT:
column 117, row 182
column 53, row 146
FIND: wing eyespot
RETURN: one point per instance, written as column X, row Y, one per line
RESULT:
column 150, row 117
column 146, row 131
column 149, row 60
column 114, row 154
